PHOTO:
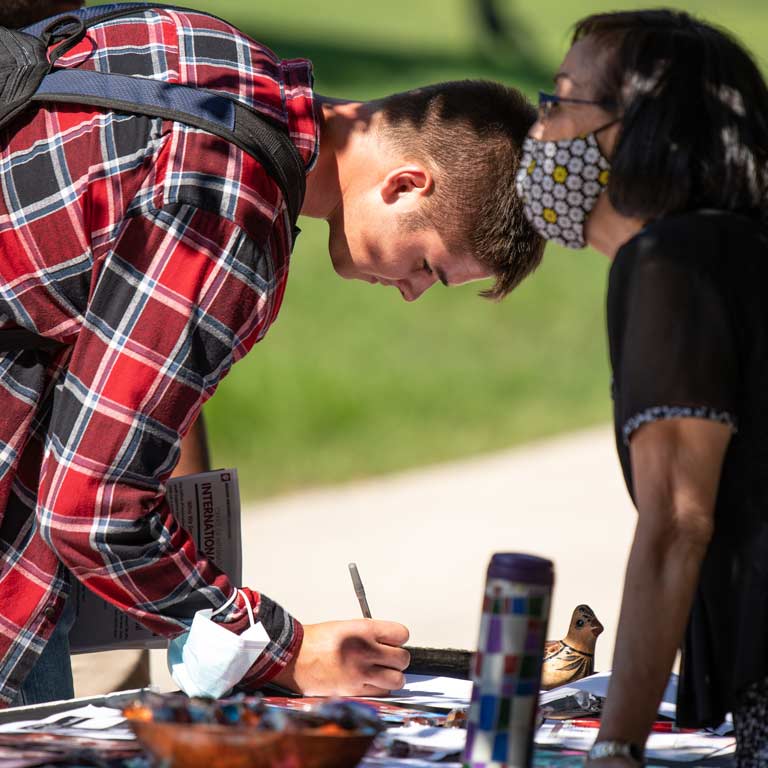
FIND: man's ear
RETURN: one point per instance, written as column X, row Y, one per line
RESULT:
column 407, row 183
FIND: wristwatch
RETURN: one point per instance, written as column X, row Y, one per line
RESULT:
column 603, row 749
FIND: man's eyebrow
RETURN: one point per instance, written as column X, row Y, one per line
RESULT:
column 442, row 276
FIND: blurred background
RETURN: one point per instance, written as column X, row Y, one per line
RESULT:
column 425, row 413
column 350, row 382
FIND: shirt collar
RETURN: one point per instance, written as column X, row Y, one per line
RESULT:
column 300, row 109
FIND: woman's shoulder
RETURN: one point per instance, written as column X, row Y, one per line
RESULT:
column 694, row 235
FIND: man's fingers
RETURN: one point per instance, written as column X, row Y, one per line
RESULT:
column 386, row 678
column 390, row 632
column 394, row 658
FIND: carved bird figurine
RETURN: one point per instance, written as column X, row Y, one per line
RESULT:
column 573, row 657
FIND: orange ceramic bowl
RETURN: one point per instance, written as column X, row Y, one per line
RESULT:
column 193, row 745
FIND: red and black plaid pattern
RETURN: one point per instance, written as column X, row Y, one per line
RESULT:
column 159, row 253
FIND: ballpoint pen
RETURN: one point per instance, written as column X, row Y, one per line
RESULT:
column 357, row 583
column 446, row 662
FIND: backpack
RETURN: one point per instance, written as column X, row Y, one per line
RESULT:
column 29, row 76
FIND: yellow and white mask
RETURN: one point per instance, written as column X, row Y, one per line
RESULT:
column 559, row 183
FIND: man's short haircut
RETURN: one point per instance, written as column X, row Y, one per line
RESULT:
column 469, row 133
column 694, row 114
column 19, row 13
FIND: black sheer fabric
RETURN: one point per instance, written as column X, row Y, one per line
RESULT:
column 688, row 335
column 750, row 719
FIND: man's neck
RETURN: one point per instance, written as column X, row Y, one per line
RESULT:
column 343, row 125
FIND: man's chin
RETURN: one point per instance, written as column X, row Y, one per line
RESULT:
column 344, row 272
column 361, row 277
column 344, row 268
column 343, row 264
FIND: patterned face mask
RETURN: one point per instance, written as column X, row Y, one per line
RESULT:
column 559, row 183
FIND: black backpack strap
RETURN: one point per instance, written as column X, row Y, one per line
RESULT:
column 256, row 134
column 209, row 110
column 23, row 65
column 215, row 112
column 96, row 14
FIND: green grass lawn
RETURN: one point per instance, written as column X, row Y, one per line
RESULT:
column 352, row 381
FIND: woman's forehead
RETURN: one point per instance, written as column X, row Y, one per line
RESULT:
column 582, row 68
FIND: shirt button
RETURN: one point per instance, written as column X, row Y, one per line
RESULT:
column 50, row 612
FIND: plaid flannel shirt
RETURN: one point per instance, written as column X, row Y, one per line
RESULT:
column 159, row 254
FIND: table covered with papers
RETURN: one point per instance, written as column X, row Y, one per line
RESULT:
column 423, row 728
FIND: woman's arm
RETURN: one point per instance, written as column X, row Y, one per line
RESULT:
column 676, row 468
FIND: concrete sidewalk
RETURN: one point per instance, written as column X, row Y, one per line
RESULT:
column 422, row 540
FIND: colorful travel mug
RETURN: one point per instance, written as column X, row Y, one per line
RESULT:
column 506, row 671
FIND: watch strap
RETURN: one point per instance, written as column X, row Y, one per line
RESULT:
column 612, row 748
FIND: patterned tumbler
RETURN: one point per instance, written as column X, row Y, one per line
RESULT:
column 507, row 668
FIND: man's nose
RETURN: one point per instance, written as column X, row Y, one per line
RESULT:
column 416, row 286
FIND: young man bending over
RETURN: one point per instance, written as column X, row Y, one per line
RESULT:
column 159, row 254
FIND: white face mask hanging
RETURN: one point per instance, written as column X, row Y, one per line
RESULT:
column 209, row 660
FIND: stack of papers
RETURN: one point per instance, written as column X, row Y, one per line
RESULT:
column 677, row 747
column 436, row 744
column 596, row 686
column 74, row 737
column 90, row 722
column 423, row 745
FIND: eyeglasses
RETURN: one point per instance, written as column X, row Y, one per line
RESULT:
column 548, row 101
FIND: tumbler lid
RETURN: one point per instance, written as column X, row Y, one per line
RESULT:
column 527, row 569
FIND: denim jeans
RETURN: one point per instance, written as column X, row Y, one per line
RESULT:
column 51, row 678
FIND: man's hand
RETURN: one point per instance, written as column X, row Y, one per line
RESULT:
column 363, row 657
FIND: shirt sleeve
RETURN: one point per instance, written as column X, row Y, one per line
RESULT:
column 672, row 345
column 178, row 297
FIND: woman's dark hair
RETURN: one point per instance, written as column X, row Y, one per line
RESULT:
column 694, row 115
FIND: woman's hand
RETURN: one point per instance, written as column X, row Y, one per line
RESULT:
column 362, row 657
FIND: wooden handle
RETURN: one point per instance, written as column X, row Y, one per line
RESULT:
column 443, row 662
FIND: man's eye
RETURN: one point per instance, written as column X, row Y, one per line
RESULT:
column 426, row 267
column 580, row 623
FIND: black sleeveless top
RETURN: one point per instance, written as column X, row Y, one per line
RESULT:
column 688, row 335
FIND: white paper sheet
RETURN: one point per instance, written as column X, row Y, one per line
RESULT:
column 688, row 747
column 437, row 692
column 205, row 504
column 445, row 740
column 597, row 685
column 88, row 722
column 679, row 747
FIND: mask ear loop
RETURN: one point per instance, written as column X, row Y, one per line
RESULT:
column 606, row 125
column 226, row 605
column 231, row 600
column 247, row 607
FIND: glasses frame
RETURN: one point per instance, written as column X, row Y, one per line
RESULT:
column 549, row 100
